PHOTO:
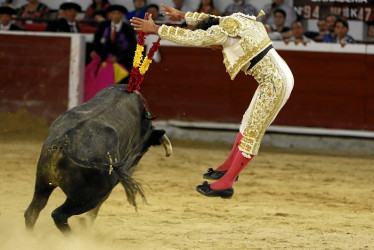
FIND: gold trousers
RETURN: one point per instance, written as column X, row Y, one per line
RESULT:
column 275, row 81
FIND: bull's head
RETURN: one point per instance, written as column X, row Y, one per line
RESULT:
column 159, row 137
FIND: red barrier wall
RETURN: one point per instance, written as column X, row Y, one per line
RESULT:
column 332, row 90
column 34, row 74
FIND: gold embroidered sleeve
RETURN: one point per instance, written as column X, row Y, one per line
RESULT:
column 192, row 18
column 196, row 38
column 230, row 26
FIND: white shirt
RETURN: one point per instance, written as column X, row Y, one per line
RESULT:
column 7, row 27
column 290, row 14
column 118, row 26
column 73, row 27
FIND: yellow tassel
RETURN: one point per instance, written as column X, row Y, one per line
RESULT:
column 145, row 65
column 260, row 14
column 138, row 55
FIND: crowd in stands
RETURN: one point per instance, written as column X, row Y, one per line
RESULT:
column 280, row 20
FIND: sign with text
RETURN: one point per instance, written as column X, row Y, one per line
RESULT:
column 362, row 10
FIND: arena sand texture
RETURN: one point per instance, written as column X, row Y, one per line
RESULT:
column 283, row 200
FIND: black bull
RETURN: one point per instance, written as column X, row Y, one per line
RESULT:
column 90, row 148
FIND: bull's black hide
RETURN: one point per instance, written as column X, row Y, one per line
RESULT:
column 90, row 148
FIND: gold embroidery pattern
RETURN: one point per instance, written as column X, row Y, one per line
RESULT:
column 230, row 26
column 203, row 16
column 250, row 50
column 268, row 101
column 192, row 18
column 180, row 32
column 188, row 14
column 196, row 38
column 254, row 40
column 242, row 15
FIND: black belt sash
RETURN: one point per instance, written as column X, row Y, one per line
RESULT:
column 261, row 55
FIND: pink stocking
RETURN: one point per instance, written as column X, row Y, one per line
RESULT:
column 226, row 165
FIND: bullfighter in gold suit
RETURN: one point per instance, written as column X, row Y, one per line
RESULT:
column 246, row 47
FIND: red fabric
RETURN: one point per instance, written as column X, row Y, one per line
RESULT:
column 154, row 48
column 237, row 166
column 114, row 30
column 226, row 165
column 135, row 79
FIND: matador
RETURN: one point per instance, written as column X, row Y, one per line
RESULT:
column 246, row 47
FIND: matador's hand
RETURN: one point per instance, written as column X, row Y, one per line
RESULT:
column 172, row 13
column 145, row 25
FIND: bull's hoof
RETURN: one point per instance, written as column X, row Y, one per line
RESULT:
column 212, row 174
column 205, row 189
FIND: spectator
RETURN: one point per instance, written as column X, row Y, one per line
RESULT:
column 140, row 9
column 96, row 5
column 268, row 18
column 8, row 3
column 155, row 11
column 274, row 35
column 6, row 16
column 99, row 16
column 341, row 33
column 297, row 37
column 115, row 39
column 240, row 6
column 179, row 5
column 279, row 24
column 67, row 21
column 322, row 31
column 322, row 28
column 33, row 11
column 330, row 22
column 207, row 7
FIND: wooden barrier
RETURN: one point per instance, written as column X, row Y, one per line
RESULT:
column 334, row 86
column 41, row 72
column 332, row 90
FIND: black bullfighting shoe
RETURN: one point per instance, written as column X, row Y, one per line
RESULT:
column 205, row 189
column 212, row 174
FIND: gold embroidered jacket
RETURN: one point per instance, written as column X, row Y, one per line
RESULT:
column 253, row 38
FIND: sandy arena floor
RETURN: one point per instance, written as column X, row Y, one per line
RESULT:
column 282, row 200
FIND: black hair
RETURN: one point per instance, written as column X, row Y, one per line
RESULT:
column 343, row 21
column 99, row 12
column 280, row 11
column 207, row 23
column 153, row 6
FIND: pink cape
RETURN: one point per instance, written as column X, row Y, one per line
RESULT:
column 98, row 76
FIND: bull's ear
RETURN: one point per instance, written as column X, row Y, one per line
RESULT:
column 155, row 138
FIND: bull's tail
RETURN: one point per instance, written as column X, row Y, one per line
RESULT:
column 131, row 186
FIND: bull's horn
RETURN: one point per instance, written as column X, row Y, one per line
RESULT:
column 167, row 145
